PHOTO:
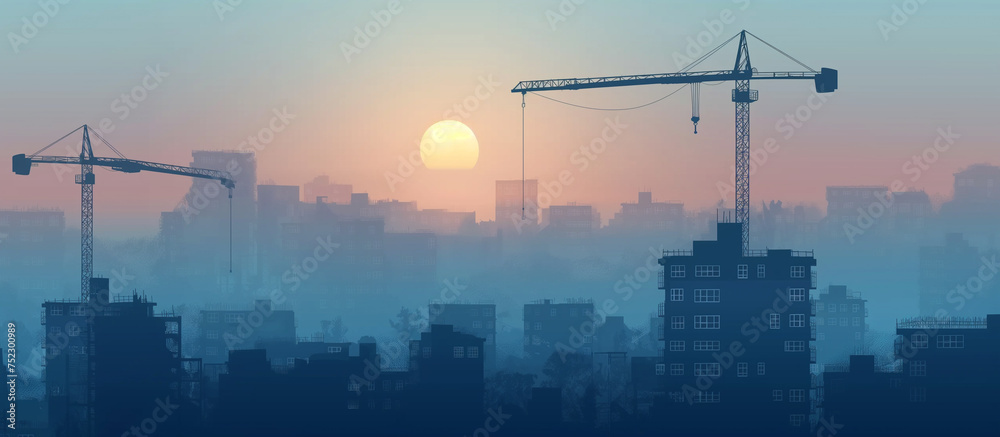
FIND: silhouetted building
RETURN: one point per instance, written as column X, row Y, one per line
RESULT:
column 321, row 186
column 612, row 336
column 942, row 270
column 111, row 360
column 945, row 383
column 511, row 196
column 447, row 368
column 468, row 318
column 277, row 205
column 841, row 324
column 979, row 183
column 911, row 213
column 234, row 328
column 738, row 331
column 558, row 328
column 648, row 216
column 32, row 248
column 570, row 221
column 856, row 207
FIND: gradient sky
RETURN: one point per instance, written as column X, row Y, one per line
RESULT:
column 355, row 119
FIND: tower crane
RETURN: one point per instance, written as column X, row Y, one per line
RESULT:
column 742, row 73
column 22, row 164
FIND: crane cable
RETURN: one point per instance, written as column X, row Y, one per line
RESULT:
column 522, row 158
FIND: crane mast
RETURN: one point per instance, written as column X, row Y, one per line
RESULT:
column 22, row 164
column 742, row 96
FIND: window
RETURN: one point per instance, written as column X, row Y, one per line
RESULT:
column 918, row 394
column 400, row 385
column 290, row 361
column 798, row 271
column 353, row 386
column 427, row 352
column 705, row 271
column 77, row 310
column 951, row 342
column 661, row 369
column 706, row 295
column 676, row 271
column 707, row 322
column 796, row 395
column 706, row 345
column 553, row 312
column 775, row 321
column 742, row 370
column 856, row 321
column 232, row 318
column 918, row 368
column 676, row 322
column 760, row 270
column 843, row 321
column 333, row 349
column 833, row 308
column 677, row 369
column 832, row 321
column 212, row 334
column 918, row 341
column 353, row 404
column 55, row 311
column 796, row 419
column 742, row 271
column 212, row 317
column 795, row 346
column 707, row 369
column 820, row 306
column 676, row 294
column 797, row 295
column 73, row 330
column 476, row 324
column 472, row 352
column 458, row 352
column 796, row 320
column 387, row 404
column 538, row 326
column 676, row 345
column 55, row 330
column 821, row 336
column 777, row 395
column 386, row 385
column 843, row 307
column 855, row 307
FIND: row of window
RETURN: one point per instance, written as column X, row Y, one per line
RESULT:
column 832, row 321
column 794, row 395
column 832, row 308
column 709, row 369
column 713, row 295
column 456, row 352
column 921, row 341
column 742, row 271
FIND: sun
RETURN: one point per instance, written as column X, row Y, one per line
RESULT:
column 449, row 144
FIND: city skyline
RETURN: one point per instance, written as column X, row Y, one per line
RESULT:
column 167, row 125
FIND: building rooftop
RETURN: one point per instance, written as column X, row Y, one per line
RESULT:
column 944, row 323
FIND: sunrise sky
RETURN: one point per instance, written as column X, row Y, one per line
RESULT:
column 228, row 68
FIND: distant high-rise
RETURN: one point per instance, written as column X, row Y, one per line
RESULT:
column 510, row 196
column 232, row 328
column 978, row 183
column 558, row 328
column 841, row 323
column 572, row 220
column 941, row 270
column 321, row 186
column 846, row 205
column 738, row 329
column 647, row 215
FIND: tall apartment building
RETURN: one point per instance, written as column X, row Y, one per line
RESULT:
column 107, row 361
column 510, row 196
column 557, row 328
column 841, row 323
column 479, row 320
column 447, row 366
column 843, row 204
column 737, row 331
